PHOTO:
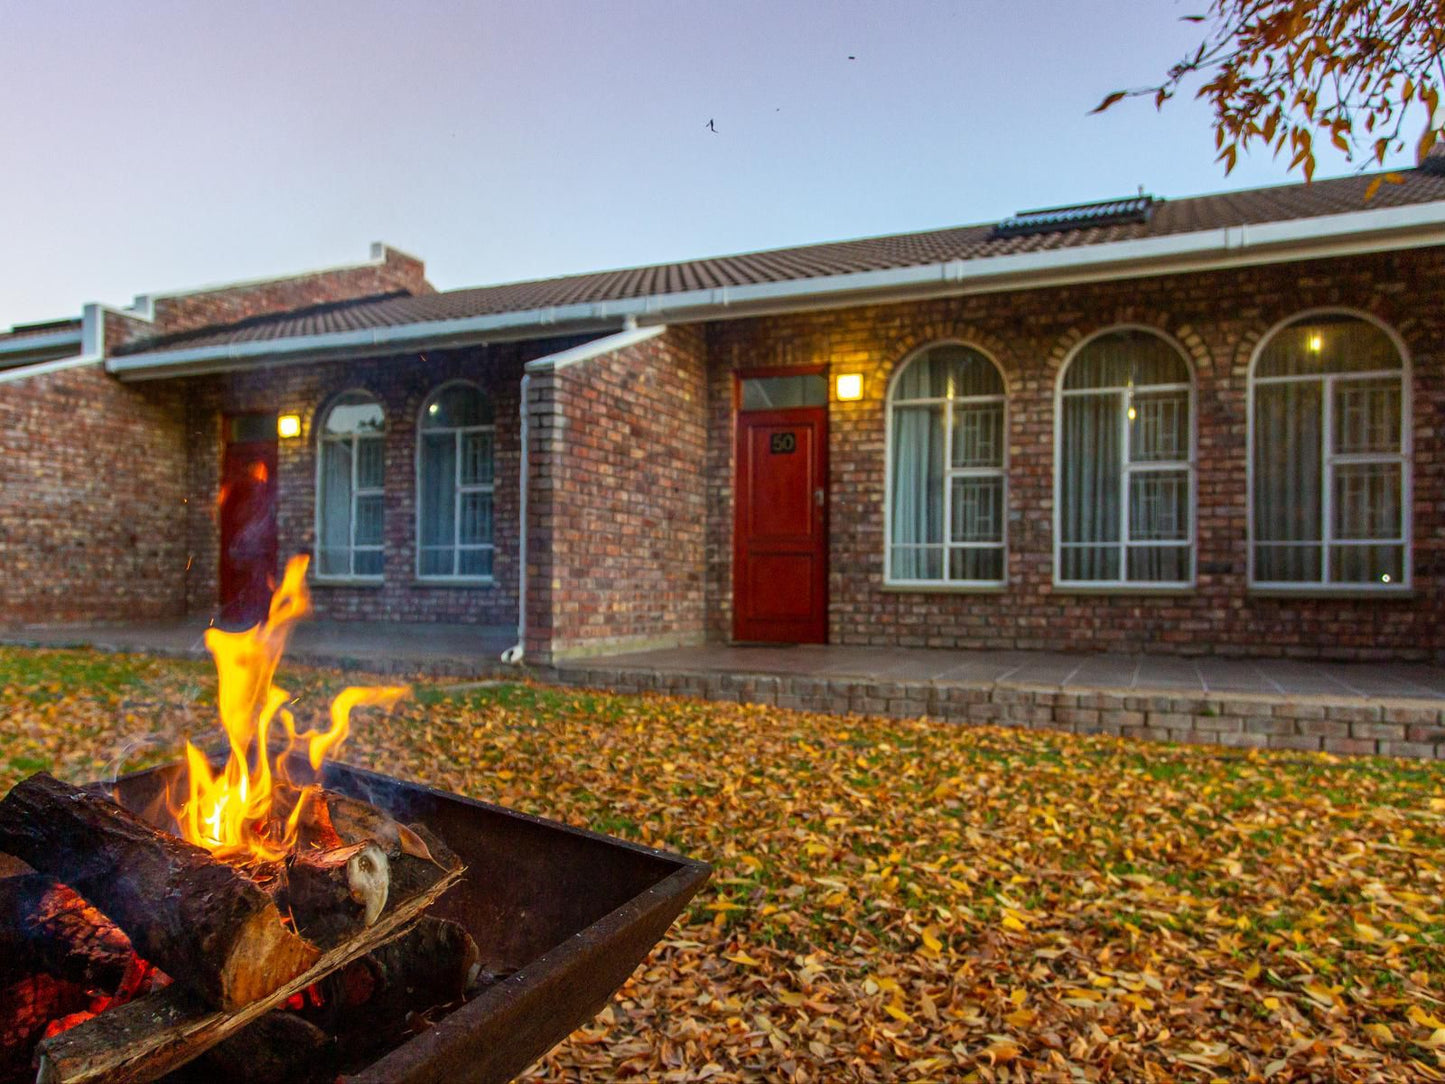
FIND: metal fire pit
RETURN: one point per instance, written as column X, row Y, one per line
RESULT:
column 572, row 911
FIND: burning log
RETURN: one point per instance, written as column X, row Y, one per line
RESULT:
column 48, row 927
column 434, row 963
column 201, row 921
column 336, row 892
column 149, row 1037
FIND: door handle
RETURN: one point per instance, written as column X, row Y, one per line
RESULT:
column 818, row 497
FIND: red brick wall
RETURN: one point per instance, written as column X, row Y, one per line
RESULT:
column 401, row 385
column 616, row 543
column 395, row 272
column 92, row 484
column 1218, row 319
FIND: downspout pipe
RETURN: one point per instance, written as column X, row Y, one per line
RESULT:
column 515, row 654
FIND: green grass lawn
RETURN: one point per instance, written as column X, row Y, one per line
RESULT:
column 912, row 900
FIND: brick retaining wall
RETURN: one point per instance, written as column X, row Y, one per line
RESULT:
column 1341, row 725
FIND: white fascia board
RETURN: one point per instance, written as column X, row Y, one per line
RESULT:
column 607, row 345
column 90, row 338
column 1322, row 237
column 43, row 343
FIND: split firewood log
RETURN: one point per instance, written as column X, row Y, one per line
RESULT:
column 372, row 1001
column 49, row 927
column 331, row 894
column 279, row 1048
column 198, row 919
column 329, row 819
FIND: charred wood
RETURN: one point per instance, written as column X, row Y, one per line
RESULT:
column 48, row 926
column 27, row 1006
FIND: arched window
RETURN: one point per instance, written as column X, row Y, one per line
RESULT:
column 350, row 463
column 1329, row 469
column 454, row 485
column 1125, row 464
column 948, row 495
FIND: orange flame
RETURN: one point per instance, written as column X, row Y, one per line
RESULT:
column 230, row 812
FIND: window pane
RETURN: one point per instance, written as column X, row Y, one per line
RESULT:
column 475, row 563
column 784, row 392
column 370, row 463
column 334, row 530
column 1091, row 470
column 1125, row 359
column 977, row 510
column 354, row 412
column 1329, row 344
column 1159, row 506
column 949, row 371
column 438, row 491
column 975, row 564
column 476, row 518
column 1367, row 416
column 978, row 435
column 1159, row 564
column 458, row 406
column 1289, row 563
column 1159, row 427
column 918, row 474
column 1367, row 564
column 332, row 562
column 1089, row 563
column 1367, row 501
column 1288, row 479
column 476, row 459
column 917, row 562
column 438, row 561
column 368, row 521
column 368, row 562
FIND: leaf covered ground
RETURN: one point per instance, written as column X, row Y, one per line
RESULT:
column 911, row 900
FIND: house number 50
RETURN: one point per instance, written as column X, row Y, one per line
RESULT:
column 783, row 443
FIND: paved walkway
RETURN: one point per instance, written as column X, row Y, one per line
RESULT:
column 378, row 647
column 1154, row 673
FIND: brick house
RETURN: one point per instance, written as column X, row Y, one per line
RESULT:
column 1205, row 425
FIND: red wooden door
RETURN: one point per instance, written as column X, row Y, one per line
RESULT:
column 780, row 558
column 247, row 508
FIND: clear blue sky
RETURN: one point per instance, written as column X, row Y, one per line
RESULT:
column 153, row 146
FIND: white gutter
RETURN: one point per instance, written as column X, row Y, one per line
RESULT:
column 90, row 339
column 551, row 363
column 1324, row 236
column 15, row 351
column 514, row 654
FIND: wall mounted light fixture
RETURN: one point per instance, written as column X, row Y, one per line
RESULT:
column 849, row 387
column 288, row 426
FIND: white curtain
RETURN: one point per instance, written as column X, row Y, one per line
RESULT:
column 438, row 504
column 1092, row 459
column 334, row 544
column 1288, row 481
column 918, row 450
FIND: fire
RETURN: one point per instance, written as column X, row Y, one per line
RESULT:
column 230, row 812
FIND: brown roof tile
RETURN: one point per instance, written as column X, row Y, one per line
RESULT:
column 1168, row 217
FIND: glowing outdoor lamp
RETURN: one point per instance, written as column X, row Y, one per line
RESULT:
column 1316, row 343
column 849, row 387
column 288, row 426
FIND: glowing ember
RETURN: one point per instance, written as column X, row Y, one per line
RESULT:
column 230, row 812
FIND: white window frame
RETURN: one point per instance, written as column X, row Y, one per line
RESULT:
column 322, row 439
column 1329, row 461
column 950, row 472
column 459, row 489
column 1127, row 470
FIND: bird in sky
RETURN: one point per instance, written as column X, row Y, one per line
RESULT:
column 711, row 127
